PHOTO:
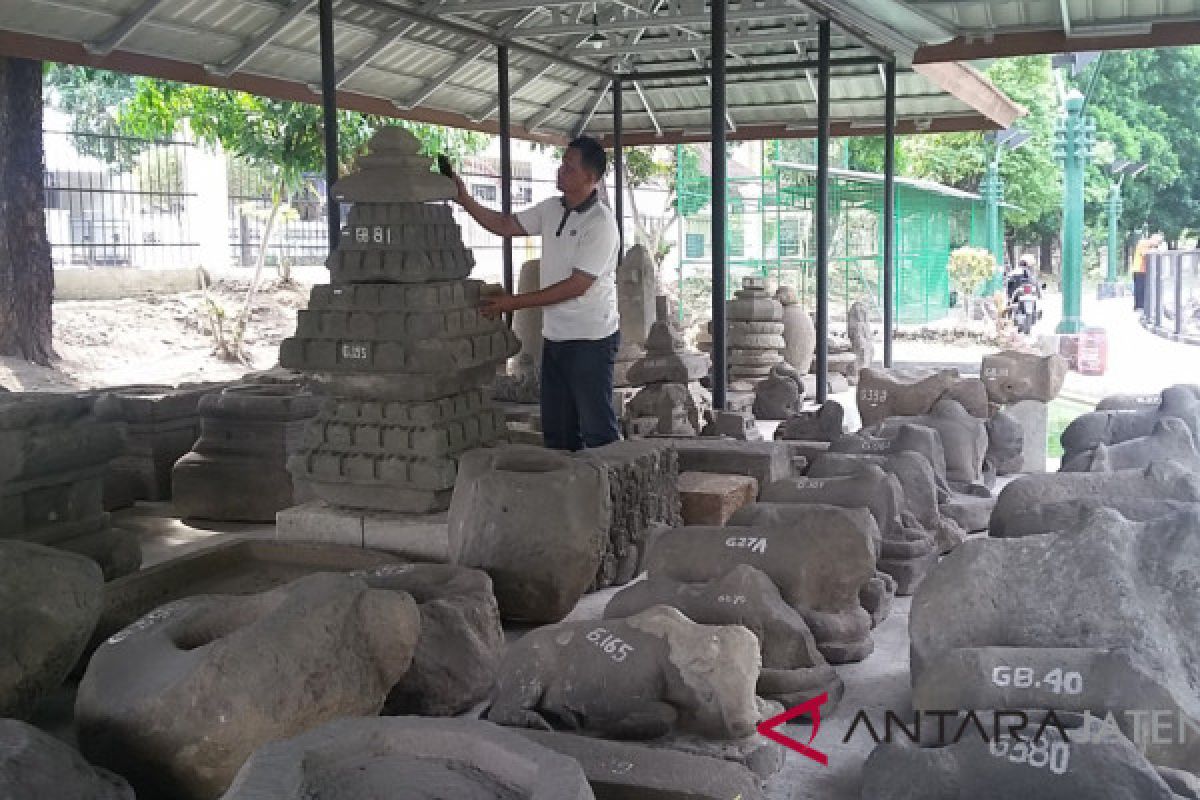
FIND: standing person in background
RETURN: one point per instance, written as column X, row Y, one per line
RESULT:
column 578, row 295
column 1137, row 266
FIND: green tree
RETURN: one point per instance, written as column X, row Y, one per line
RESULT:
column 652, row 166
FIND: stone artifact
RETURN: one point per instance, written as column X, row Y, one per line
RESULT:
column 1011, row 376
column 537, row 521
column 523, row 381
column 964, row 438
column 908, row 550
column 161, row 423
column 764, row 461
column 408, row 757
column 1109, row 633
column 49, row 603
column 1169, row 441
column 1006, row 444
column 1130, row 402
column 179, row 700
column 756, row 330
column 460, row 644
column 642, row 677
column 628, row 771
column 913, row 392
column 822, row 425
column 820, row 567
column 799, row 334
column 636, row 303
column 862, row 338
column 781, row 395
column 1046, row 503
column 399, row 340
column 237, row 469
column 56, row 452
column 919, row 439
column 793, row 669
column 1089, row 431
column 1034, row 418
column 1099, row 764
column 643, row 489
column 710, row 499
column 738, row 425
column 34, row 765
column 668, row 374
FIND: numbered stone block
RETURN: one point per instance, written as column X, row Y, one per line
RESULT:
column 438, row 440
column 1012, row 376
column 711, row 499
column 1169, row 441
column 1045, row 503
column 820, row 564
column 180, row 699
column 642, row 677
column 964, row 438
column 364, row 758
column 1000, row 624
column 49, row 603
column 903, row 392
column 460, row 644
column 919, row 439
column 34, row 764
column 493, row 343
column 764, row 461
column 793, row 669
column 1100, row 764
column 1089, row 431
column 536, row 521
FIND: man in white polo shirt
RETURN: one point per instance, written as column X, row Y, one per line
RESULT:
column 578, row 296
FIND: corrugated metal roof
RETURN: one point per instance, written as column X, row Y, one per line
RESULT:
column 436, row 60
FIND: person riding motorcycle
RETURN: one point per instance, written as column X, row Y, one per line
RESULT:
column 1019, row 286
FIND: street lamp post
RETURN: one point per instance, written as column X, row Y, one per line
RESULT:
column 1120, row 169
column 1074, row 138
column 992, row 188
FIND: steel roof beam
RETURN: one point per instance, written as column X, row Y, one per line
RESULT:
column 652, row 21
column 637, row 87
column 256, row 45
column 397, row 32
column 115, row 37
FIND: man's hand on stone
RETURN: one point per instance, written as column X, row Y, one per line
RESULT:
column 495, row 305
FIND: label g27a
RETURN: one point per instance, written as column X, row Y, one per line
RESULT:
column 755, row 544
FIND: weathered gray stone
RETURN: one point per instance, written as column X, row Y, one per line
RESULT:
column 392, row 169
column 971, row 510
column 1045, row 503
column 1006, row 444
column 49, row 603
column 737, row 425
column 766, row 462
column 667, row 358
column 410, row 757
column 625, row 771
column 664, row 409
column 912, row 392
column 1012, row 376
column 1088, row 431
column 522, row 383
column 862, row 338
column 822, row 425
column 964, row 438
column 1130, row 402
column 780, row 396
column 177, row 701
column 1104, row 766
column 919, row 439
column 537, row 521
column 422, row 537
column 1106, row 606
column 820, row 564
column 710, row 499
column 1169, row 441
column 799, row 334
column 460, row 643
column 1034, row 417
column 35, row 765
column 642, row 677
column 793, row 669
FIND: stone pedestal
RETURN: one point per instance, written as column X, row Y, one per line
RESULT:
column 421, row 537
column 669, row 375
column 756, row 330
column 636, row 287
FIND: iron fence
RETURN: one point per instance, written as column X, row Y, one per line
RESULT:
column 1172, row 294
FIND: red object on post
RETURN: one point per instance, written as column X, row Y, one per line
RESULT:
column 1093, row 351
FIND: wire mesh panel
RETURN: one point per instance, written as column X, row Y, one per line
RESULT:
column 117, row 201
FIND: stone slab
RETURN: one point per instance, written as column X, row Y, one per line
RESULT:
column 971, row 512
column 766, row 462
column 419, row 536
column 1034, row 417
column 710, row 498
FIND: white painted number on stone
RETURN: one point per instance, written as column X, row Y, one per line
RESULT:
column 732, row 599
column 1039, row 753
column 149, row 621
column 755, row 544
column 1056, row 680
column 622, row 768
column 614, row 647
column 874, row 395
column 355, row 352
column 996, row 372
column 809, row 483
column 377, row 234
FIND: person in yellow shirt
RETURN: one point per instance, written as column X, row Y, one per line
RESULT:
column 1137, row 266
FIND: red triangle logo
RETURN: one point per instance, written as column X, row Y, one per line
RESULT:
column 811, row 708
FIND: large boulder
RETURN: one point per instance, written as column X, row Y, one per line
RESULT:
column 177, row 701
column 1046, row 503
column 1012, row 376
column 50, row 601
column 461, row 640
column 793, row 669
column 1169, row 441
column 912, row 392
column 641, row 677
column 36, row 766
column 537, row 521
column 1100, row 618
column 1098, row 765
column 408, row 757
column 964, row 438
column 820, row 566
column 919, row 439
column 1088, row 431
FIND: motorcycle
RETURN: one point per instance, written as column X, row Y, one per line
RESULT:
column 1023, row 305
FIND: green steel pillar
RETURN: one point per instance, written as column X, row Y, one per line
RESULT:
column 1073, row 142
column 992, row 189
column 1115, row 206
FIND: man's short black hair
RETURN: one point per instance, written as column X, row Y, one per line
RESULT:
column 592, row 155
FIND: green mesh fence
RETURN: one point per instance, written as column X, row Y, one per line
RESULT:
column 771, row 233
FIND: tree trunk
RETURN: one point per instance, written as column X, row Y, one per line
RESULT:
column 26, row 269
